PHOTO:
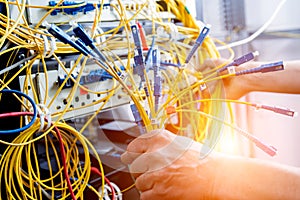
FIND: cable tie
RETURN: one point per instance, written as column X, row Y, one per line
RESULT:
column 42, row 119
column 44, row 113
column 231, row 70
column 53, row 47
column 173, row 32
column 46, row 45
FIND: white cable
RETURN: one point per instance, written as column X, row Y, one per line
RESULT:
column 102, row 37
column 107, row 190
column 257, row 33
column 48, row 196
column 5, row 46
column 117, row 191
column 17, row 64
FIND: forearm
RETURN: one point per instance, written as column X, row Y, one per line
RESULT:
column 285, row 81
column 240, row 178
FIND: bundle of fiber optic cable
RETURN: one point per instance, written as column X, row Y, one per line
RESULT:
column 141, row 56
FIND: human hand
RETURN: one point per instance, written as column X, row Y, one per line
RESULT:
column 167, row 166
column 236, row 86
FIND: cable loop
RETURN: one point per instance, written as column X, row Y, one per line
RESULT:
column 107, row 191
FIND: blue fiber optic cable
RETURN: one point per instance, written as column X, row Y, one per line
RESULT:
column 34, row 112
column 65, row 38
column 87, row 7
column 238, row 61
column 270, row 67
column 88, row 41
column 204, row 32
column 150, row 50
column 137, row 39
column 138, row 119
column 157, row 77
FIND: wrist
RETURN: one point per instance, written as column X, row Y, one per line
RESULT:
column 224, row 183
column 212, row 167
column 249, row 82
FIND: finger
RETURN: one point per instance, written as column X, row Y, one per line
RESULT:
column 214, row 63
column 143, row 144
column 135, row 148
column 151, row 141
column 129, row 157
column 147, row 180
column 148, row 162
column 140, row 144
column 162, row 157
column 163, row 192
column 147, row 195
column 160, row 154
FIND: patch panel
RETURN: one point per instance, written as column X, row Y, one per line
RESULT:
column 82, row 102
column 86, row 12
column 93, row 78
